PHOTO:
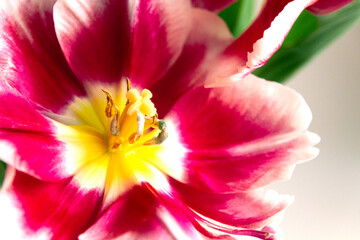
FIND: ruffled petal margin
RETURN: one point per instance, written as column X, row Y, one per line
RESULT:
column 252, row 209
column 242, row 136
column 258, row 43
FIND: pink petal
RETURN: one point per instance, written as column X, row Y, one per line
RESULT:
column 208, row 227
column 139, row 214
column 23, row 129
column 19, row 114
column 243, row 136
column 250, row 165
column 41, row 147
column 328, row 6
column 212, row 5
column 57, row 210
column 95, row 37
column 31, row 60
column 250, row 209
column 159, row 30
column 239, row 113
column 208, row 37
column 39, row 155
column 258, row 43
column 105, row 40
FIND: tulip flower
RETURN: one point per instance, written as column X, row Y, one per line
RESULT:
column 109, row 132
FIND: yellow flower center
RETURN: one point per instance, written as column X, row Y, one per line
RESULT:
column 113, row 142
column 135, row 124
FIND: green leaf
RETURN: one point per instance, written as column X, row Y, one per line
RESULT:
column 308, row 37
column 2, row 172
column 239, row 16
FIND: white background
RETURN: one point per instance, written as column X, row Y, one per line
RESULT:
column 327, row 189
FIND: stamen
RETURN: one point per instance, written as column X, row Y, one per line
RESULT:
column 161, row 137
column 149, row 129
column 128, row 84
column 161, row 125
column 115, row 125
column 140, row 120
column 110, row 109
column 155, row 117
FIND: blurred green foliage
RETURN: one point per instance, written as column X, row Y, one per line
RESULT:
column 239, row 15
column 2, row 172
column 308, row 37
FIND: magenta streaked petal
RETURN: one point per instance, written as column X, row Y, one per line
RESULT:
column 158, row 33
column 39, row 155
column 133, row 213
column 258, row 43
column 253, row 108
column 94, row 49
column 27, row 142
column 31, row 60
column 328, row 6
column 139, row 214
column 213, row 229
column 19, row 114
column 250, row 166
column 253, row 209
column 243, row 136
column 59, row 210
column 147, row 40
column 212, row 5
column 208, row 37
